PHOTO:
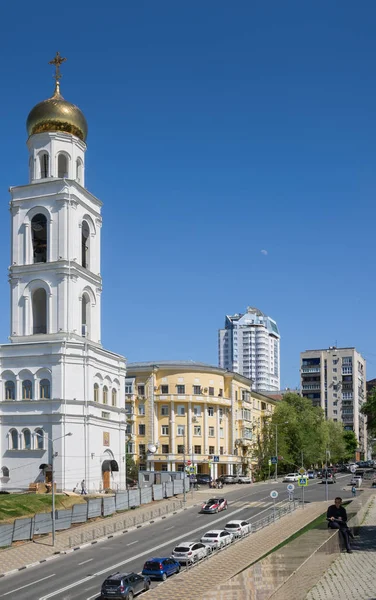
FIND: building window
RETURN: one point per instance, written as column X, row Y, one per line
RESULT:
column 164, row 430
column 105, row 414
column 39, row 238
column 180, row 449
column 39, row 304
column 96, row 392
column 10, row 388
column 164, row 389
column 197, row 390
column 14, row 439
column 27, row 390
column 210, row 411
column 5, row 471
column 114, row 396
column 197, row 430
column 197, row 449
column 44, row 165
column 142, row 449
column 220, row 393
column 79, row 171
column 197, row 410
column 221, row 432
column 165, row 448
column 180, row 389
column 39, row 439
column 211, row 450
column 221, row 450
column 141, row 390
column 62, row 166
column 141, row 429
column 181, row 410
column 45, row 389
column 181, row 430
column 180, row 468
column 164, row 410
column 220, row 412
column 211, row 431
column 141, row 410
column 211, row 391
column 26, row 439
column 105, row 394
column 164, row 467
column 85, row 244
column 129, row 389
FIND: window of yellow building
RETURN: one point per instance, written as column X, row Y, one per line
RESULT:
column 210, row 411
column 165, row 449
column 141, row 410
column 181, row 430
column 164, row 410
column 164, row 430
column 141, row 429
column 211, row 450
column 211, row 431
column 197, row 430
column 211, row 391
column 197, row 390
column 164, row 389
column 181, row 410
column 197, row 410
column 197, row 449
column 180, row 389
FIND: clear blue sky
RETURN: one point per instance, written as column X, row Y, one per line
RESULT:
column 216, row 130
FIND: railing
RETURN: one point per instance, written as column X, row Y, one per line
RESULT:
column 276, row 514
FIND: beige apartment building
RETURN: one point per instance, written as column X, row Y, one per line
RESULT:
column 335, row 379
column 188, row 411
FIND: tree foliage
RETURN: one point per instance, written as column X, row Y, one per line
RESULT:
column 369, row 409
column 303, row 437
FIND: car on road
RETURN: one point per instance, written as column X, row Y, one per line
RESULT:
column 244, row 479
column 161, row 568
column 190, row 552
column 217, row 538
column 214, row 505
column 238, row 527
column 311, row 474
column 203, row 479
column 356, row 480
column 291, row 477
column 124, row 585
column 328, row 476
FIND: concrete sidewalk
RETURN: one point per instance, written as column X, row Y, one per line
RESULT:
column 352, row 575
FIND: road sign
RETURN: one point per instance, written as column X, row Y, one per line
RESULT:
column 269, row 462
column 290, row 487
column 352, row 468
column 302, row 471
column 302, row 481
column 274, row 494
column 216, row 458
column 274, row 460
column 189, row 462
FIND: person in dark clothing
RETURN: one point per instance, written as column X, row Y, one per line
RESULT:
column 337, row 519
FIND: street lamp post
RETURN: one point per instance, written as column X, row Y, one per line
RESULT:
column 276, row 425
column 53, row 480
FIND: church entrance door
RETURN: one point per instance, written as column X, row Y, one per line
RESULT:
column 106, row 480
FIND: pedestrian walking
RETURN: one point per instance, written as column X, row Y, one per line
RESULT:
column 83, row 488
column 353, row 491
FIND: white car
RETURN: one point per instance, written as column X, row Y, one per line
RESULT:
column 190, row 552
column 291, row 477
column 238, row 528
column 356, row 480
column 244, row 479
column 217, row 538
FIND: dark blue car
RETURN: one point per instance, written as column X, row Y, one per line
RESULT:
column 161, row 568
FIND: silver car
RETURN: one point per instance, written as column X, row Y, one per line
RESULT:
column 217, row 538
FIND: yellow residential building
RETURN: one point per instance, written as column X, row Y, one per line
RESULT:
column 188, row 411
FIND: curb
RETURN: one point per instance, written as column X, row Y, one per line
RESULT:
column 98, row 541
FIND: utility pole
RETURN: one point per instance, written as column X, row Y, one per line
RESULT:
column 184, row 471
column 276, row 452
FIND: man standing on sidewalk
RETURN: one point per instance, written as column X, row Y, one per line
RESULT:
column 337, row 519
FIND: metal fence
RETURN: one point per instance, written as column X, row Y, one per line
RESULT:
column 27, row 528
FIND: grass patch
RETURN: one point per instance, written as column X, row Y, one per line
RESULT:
column 13, row 506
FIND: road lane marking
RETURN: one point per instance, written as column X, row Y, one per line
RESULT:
column 130, row 543
column 28, row 585
column 149, row 552
column 85, row 561
column 168, row 528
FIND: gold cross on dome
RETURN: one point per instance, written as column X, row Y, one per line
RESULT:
column 57, row 61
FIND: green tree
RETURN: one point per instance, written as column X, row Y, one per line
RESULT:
column 351, row 444
column 335, row 440
column 132, row 469
column 369, row 409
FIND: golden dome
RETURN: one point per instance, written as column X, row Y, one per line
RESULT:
column 56, row 114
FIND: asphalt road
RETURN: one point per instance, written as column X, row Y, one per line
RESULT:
column 78, row 575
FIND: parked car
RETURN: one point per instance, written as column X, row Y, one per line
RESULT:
column 217, row 538
column 230, row 478
column 124, row 585
column 356, row 480
column 161, row 568
column 190, row 552
column 244, row 479
column 214, row 505
column 328, row 476
column 291, row 477
column 203, row 479
column 311, row 474
column 238, row 528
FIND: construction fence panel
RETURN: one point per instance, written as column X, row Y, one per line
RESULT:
column 108, row 506
column 168, row 489
column 22, row 529
column 157, row 492
column 42, row 523
column 178, row 486
column 134, row 498
column 94, row 508
column 6, row 535
column 79, row 513
column 146, row 495
column 63, row 519
column 121, row 501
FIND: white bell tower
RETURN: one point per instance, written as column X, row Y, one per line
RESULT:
column 55, row 376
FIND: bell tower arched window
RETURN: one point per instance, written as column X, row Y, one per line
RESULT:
column 62, row 166
column 44, row 161
column 85, row 236
column 105, row 394
column 26, row 439
column 39, row 238
column 44, row 389
column 79, row 171
column 39, row 311
column 10, row 390
column 96, row 392
column 85, row 315
column 27, row 390
column 14, row 439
